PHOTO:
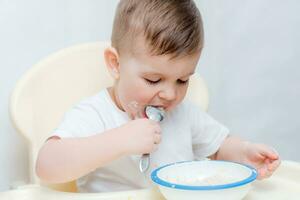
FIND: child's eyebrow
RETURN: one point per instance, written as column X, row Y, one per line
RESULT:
column 153, row 73
column 191, row 73
column 159, row 74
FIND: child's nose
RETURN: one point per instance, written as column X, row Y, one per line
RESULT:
column 168, row 94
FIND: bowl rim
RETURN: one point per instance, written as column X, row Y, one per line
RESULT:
column 161, row 182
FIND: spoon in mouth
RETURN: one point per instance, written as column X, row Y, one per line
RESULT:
column 156, row 114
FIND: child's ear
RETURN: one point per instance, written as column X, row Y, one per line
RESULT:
column 112, row 62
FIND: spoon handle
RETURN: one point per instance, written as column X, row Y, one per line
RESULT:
column 144, row 162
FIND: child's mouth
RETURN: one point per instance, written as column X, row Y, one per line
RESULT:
column 160, row 107
column 139, row 111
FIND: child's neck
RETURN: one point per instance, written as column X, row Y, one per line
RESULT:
column 113, row 96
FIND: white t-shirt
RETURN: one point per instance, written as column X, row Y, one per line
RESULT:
column 187, row 134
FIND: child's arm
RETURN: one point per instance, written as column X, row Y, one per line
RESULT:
column 262, row 157
column 63, row 160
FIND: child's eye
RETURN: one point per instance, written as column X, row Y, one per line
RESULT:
column 182, row 82
column 151, row 82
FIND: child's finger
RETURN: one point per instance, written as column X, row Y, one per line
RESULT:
column 259, row 156
column 268, row 152
column 268, row 174
column 157, row 138
column 267, row 170
column 261, row 173
column 272, row 166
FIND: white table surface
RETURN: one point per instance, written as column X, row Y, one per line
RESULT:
column 284, row 184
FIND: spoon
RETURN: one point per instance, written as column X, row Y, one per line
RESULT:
column 156, row 114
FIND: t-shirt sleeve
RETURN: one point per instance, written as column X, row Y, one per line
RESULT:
column 82, row 120
column 207, row 133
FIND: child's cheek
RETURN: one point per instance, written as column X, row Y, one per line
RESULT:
column 143, row 94
column 139, row 91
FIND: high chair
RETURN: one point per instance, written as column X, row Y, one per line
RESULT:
column 53, row 85
column 57, row 82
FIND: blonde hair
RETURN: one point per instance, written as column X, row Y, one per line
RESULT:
column 169, row 27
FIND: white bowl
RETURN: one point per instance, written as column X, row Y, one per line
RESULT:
column 207, row 179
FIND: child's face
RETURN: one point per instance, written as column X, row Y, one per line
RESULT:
column 153, row 80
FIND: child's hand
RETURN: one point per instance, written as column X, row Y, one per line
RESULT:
column 262, row 157
column 140, row 136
